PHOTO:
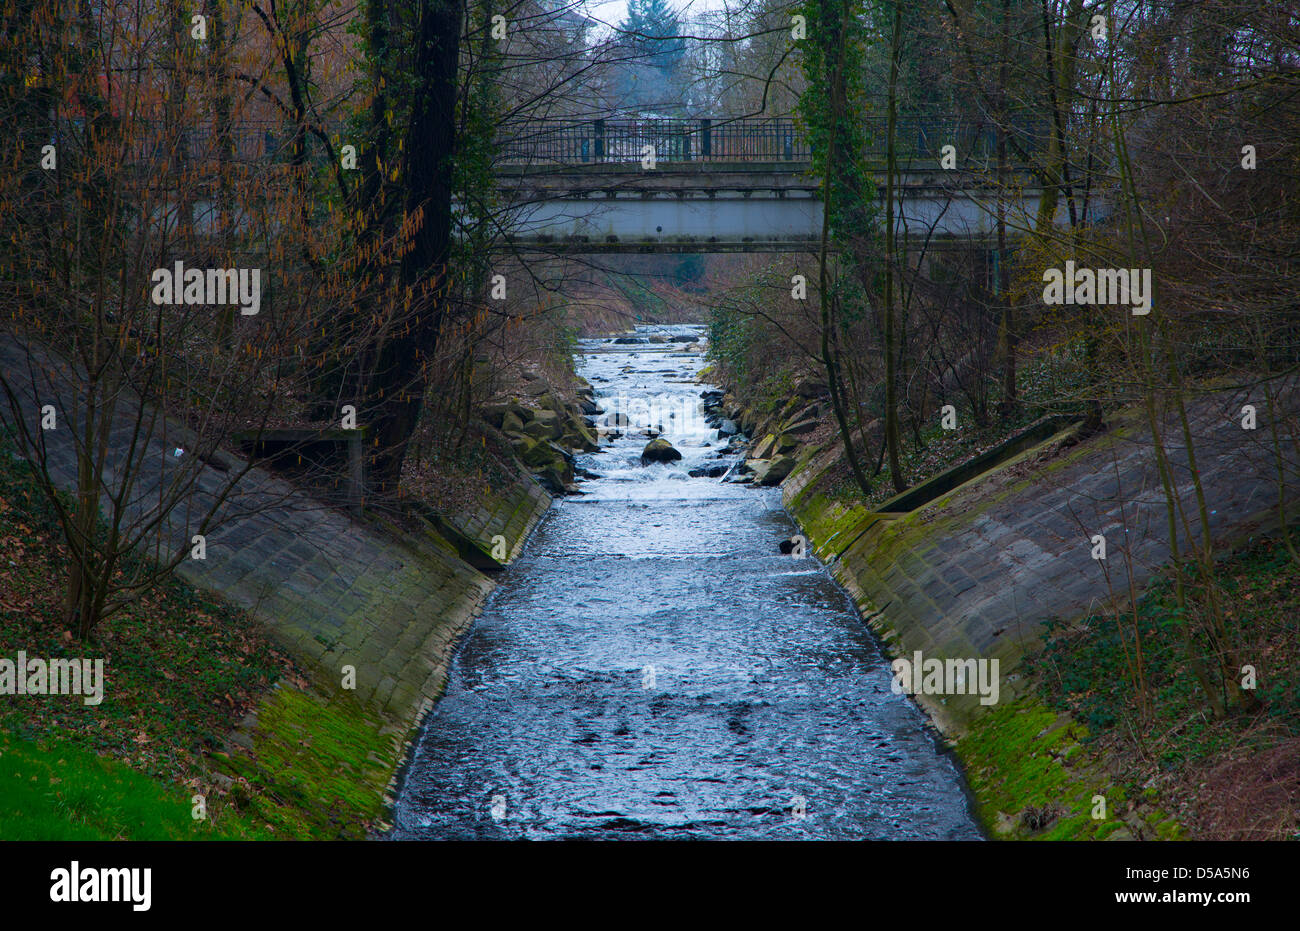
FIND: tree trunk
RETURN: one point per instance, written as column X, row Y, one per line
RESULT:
column 839, row 106
column 892, row 433
column 396, row 388
column 1006, row 328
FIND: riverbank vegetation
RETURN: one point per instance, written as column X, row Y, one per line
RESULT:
column 183, row 672
column 1227, row 778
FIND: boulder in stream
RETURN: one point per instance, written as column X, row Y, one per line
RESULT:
column 659, row 450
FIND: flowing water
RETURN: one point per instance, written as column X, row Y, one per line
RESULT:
column 654, row 667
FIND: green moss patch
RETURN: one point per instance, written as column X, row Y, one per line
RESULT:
column 1034, row 778
column 316, row 768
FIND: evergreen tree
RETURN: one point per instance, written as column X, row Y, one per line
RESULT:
column 653, row 30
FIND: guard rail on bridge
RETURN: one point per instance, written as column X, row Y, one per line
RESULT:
column 735, row 140
column 720, row 185
column 608, row 141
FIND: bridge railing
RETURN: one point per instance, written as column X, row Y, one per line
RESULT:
column 743, row 140
column 618, row 141
column 670, row 140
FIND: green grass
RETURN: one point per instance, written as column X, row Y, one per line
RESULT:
column 180, row 667
column 50, row 790
column 317, row 771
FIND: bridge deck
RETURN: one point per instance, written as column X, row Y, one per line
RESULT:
column 716, row 185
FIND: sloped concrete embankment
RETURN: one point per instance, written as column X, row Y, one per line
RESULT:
column 976, row 571
column 335, row 592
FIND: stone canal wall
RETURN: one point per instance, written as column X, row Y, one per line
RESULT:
column 387, row 598
column 336, row 592
column 333, row 590
column 976, row 571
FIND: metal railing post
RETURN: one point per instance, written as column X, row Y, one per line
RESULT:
column 600, row 140
column 706, row 138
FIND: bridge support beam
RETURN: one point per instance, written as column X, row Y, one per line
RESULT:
column 729, row 207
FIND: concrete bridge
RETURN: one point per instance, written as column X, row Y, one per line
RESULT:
column 733, row 186
column 700, row 185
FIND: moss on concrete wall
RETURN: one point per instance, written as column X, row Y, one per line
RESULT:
column 365, row 605
column 938, row 580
